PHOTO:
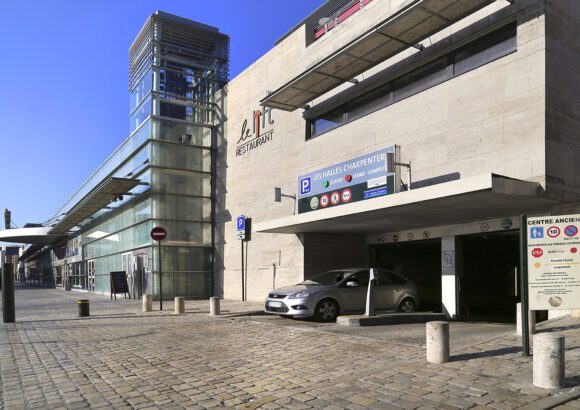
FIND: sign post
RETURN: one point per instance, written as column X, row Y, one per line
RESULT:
column 241, row 235
column 524, row 285
column 158, row 234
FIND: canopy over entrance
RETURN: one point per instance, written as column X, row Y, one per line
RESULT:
column 486, row 196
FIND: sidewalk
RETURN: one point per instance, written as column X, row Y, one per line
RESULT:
column 122, row 358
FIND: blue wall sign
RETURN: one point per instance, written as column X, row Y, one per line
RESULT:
column 365, row 177
column 241, row 223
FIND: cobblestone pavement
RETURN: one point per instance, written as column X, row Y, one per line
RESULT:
column 122, row 358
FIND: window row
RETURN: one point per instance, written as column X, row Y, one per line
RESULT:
column 479, row 52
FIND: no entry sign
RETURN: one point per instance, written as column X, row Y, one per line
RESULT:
column 158, row 233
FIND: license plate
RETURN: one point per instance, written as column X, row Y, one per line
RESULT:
column 275, row 304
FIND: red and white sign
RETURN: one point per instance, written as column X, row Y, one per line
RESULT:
column 158, row 233
column 537, row 252
column 395, row 238
column 346, row 195
column 334, row 198
column 324, row 201
column 553, row 231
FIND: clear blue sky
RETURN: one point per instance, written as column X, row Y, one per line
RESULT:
column 64, row 102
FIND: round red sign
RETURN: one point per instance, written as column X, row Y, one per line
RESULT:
column 158, row 233
column 537, row 252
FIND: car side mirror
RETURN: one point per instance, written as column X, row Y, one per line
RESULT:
column 351, row 283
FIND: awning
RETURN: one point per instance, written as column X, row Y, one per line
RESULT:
column 36, row 236
column 412, row 23
column 476, row 198
column 97, row 199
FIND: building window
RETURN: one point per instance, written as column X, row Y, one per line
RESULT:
column 477, row 53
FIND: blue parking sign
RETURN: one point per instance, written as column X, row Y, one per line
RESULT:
column 305, row 185
column 241, row 223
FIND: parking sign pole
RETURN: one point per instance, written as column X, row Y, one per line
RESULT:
column 524, row 284
column 243, row 293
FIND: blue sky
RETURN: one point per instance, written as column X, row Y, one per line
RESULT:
column 64, row 102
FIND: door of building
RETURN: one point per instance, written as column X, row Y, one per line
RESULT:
column 138, row 275
column 127, row 266
column 91, row 275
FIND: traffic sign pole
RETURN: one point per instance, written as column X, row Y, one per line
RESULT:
column 524, row 284
column 158, row 234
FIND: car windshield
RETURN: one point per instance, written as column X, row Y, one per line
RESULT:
column 327, row 278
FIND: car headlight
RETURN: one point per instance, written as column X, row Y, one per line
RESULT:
column 298, row 295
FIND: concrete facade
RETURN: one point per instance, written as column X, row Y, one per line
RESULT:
column 516, row 116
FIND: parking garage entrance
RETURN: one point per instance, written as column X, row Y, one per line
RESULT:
column 419, row 261
column 488, row 276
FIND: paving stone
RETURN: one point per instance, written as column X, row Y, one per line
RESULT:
column 131, row 360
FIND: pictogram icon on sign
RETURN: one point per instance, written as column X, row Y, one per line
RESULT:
column 537, row 232
column 395, row 238
column 574, row 250
column 537, row 252
column 334, row 198
column 426, row 234
column 484, row 227
column 346, row 195
column 324, row 200
column 553, row 231
column 410, row 236
column 571, row 230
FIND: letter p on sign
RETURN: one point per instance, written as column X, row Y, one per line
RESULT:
column 305, row 185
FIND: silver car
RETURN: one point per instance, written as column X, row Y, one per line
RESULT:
column 342, row 291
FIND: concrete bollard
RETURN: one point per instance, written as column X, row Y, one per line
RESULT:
column 437, row 342
column 549, row 360
column 531, row 320
column 179, row 305
column 214, row 306
column 147, row 303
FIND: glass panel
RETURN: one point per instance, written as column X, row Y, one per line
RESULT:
column 183, row 259
column 181, row 182
column 134, row 237
column 182, row 133
column 328, row 121
column 132, row 215
column 187, row 233
column 421, row 79
column 372, row 101
column 181, row 208
column 182, row 157
column 486, row 49
column 142, row 89
column 140, row 115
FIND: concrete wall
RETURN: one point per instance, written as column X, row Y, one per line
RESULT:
column 491, row 119
column 563, row 98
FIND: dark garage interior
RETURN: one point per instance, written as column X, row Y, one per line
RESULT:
column 488, row 276
column 419, row 261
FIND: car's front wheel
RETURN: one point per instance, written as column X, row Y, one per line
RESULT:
column 407, row 305
column 326, row 311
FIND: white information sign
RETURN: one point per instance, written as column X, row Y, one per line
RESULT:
column 554, row 262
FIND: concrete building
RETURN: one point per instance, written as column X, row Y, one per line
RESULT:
column 480, row 97
column 402, row 134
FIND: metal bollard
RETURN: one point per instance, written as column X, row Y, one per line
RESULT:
column 179, row 305
column 147, row 303
column 437, row 342
column 214, row 306
column 549, row 360
column 8, row 307
column 531, row 320
column 84, row 307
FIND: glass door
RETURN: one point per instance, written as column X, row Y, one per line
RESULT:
column 91, row 275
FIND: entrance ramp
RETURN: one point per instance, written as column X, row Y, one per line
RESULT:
column 388, row 319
